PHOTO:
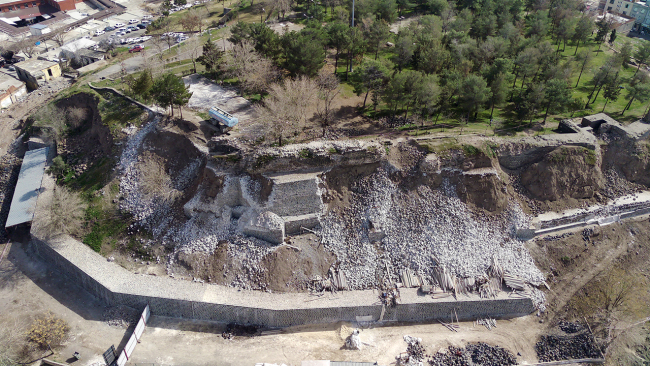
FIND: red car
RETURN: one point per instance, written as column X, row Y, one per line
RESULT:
column 136, row 49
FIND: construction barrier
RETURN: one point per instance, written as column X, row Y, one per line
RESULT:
column 135, row 338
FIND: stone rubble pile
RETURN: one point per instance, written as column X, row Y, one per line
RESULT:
column 567, row 347
column 423, row 229
column 120, row 316
column 474, row 354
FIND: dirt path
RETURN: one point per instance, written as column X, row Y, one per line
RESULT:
column 612, row 242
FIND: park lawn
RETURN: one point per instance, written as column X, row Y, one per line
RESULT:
column 585, row 87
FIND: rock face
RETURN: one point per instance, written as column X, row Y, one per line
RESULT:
column 264, row 225
column 565, row 172
column 632, row 159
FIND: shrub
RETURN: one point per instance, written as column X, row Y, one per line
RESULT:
column 471, row 150
column 48, row 331
column 63, row 214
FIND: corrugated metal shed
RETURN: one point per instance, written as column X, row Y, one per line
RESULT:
column 28, row 186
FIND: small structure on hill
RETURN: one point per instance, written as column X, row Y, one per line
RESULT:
column 34, row 72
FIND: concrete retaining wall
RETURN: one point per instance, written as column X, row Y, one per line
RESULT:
column 184, row 299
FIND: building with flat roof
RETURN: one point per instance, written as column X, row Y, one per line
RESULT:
column 34, row 72
column 9, row 6
column 10, row 90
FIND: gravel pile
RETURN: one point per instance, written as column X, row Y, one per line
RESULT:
column 566, row 347
column 120, row 316
column 475, row 354
column 570, row 328
column 423, row 229
column 485, row 355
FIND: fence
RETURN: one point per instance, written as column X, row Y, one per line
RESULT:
column 135, row 337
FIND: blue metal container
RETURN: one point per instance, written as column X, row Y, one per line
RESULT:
column 221, row 116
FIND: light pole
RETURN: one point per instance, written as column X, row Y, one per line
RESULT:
column 353, row 31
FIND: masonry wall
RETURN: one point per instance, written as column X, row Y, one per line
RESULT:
column 273, row 310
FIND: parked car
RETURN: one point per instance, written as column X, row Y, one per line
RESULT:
column 11, row 68
column 133, row 28
column 142, row 26
column 122, row 40
column 147, row 17
column 136, row 48
column 145, row 38
column 127, row 30
column 119, row 25
column 133, row 21
column 146, row 21
column 108, row 29
column 99, row 33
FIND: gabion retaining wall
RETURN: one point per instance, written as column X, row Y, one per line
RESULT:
column 183, row 299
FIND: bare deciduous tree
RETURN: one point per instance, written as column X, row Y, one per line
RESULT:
column 288, row 105
column 328, row 89
column 193, row 20
column 194, row 49
column 63, row 214
column 58, row 36
column 254, row 71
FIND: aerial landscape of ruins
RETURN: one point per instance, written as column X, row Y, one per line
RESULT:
column 324, row 182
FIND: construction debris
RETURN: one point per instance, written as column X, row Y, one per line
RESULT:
column 120, row 316
column 353, row 341
column 476, row 354
column 488, row 323
column 415, row 352
column 514, row 282
column 429, row 233
column 452, row 327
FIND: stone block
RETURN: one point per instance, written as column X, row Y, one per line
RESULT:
column 265, row 225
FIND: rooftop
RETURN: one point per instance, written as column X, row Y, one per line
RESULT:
column 28, row 187
column 38, row 26
column 7, row 81
column 33, row 65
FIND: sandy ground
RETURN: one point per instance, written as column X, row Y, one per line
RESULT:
column 207, row 94
column 28, row 289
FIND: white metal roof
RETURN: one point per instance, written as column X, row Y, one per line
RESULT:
column 23, row 203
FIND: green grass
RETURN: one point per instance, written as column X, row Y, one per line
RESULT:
column 105, row 224
column 95, row 177
column 118, row 112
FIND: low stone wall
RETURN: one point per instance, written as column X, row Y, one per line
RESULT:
column 184, row 299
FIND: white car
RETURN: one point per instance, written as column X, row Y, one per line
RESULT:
column 122, row 41
column 197, row 3
column 99, row 33
column 145, row 38
column 134, row 21
column 119, row 25
column 147, row 17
